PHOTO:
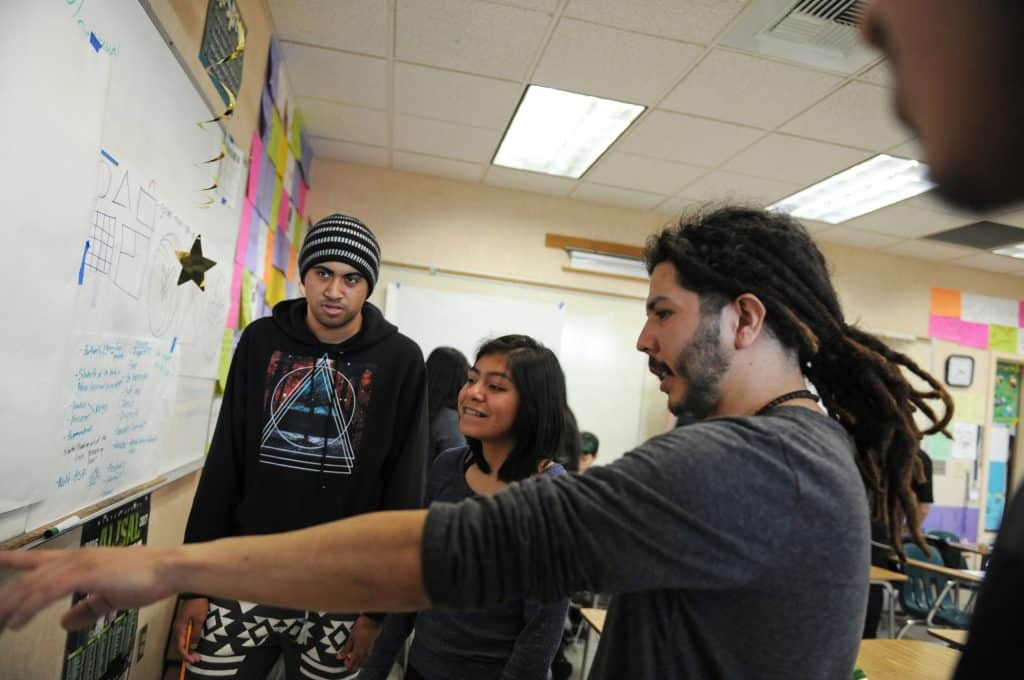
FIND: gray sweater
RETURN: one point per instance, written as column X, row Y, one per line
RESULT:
column 737, row 547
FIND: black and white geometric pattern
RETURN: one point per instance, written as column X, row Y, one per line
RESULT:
column 239, row 637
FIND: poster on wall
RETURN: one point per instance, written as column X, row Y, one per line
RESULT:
column 1006, row 400
column 103, row 651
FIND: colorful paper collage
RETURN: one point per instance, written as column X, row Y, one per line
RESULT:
column 272, row 221
column 977, row 321
column 282, row 251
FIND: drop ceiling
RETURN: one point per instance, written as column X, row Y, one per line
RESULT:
column 429, row 86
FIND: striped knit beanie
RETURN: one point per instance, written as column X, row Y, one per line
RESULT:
column 340, row 238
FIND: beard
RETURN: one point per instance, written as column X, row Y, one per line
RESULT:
column 702, row 364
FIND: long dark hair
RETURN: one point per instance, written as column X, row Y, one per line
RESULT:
column 446, row 374
column 730, row 251
column 540, row 424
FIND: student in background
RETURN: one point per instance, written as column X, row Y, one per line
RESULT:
column 323, row 418
column 588, row 450
column 703, row 534
column 958, row 83
column 504, row 408
column 880, row 556
column 446, row 374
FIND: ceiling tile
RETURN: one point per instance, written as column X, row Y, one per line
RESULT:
column 858, row 114
column 745, row 89
column 355, row 25
column 529, row 181
column 908, row 149
column 337, row 76
column 468, row 35
column 676, row 137
column 928, row 250
column 879, row 74
column 904, row 222
column 642, row 173
column 348, row 123
column 676, row 206
column 438, row 138
column 1015, row 217
column 719, row 185
column 442, row 167
column 349, row 152
column 627, row 198
column 611, row 63
column 548, row 6
column 852, row 237
column 455, row 97
column 991, row 262
column 696, row 21
column 931, row 201
column 792, row 159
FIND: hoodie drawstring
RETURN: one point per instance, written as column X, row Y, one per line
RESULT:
column 330, row 414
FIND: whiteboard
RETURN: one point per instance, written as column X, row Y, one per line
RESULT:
column 109, row 365
column 609, row 387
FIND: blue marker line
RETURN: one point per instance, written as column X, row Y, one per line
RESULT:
column 94, row 41
column 81, row 269
column 108, row 157
column 173, row 343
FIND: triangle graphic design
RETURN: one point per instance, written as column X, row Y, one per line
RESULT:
column 123, row 197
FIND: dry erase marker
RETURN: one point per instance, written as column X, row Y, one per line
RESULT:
column 61, row 527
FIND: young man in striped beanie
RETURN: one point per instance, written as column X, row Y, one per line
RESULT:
column 324, row 417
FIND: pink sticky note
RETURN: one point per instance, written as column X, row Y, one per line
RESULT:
column 1020, row 314
column 256, row 156
column 236, row 296
column 944, row 328
column 284, row 213
column 974, row 334
column 243, row 232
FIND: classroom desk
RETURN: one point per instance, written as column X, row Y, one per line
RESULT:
column 595, row 619
column 953, row 577
column 906, row 660
column 885, row 578
column 983, row 550
column 957, row 639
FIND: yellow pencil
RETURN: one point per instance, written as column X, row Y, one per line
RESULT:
column 188, row 641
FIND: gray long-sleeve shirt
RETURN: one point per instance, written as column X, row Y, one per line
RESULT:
column 737, row 547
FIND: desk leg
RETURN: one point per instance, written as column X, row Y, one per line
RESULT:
column 891, row 594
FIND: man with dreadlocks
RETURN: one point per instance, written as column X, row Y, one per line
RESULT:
column 737, row 547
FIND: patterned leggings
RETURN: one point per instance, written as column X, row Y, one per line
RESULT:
column 243, row 640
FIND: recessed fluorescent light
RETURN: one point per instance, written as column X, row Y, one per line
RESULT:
column 873, row 184
column 562, row 133
column 607, row 264
column 1016, row 250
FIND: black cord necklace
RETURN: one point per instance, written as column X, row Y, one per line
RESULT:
column 788, row 396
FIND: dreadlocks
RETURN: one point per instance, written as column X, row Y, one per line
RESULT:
column 731, row 251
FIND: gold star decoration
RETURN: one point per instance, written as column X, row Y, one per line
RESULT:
column 194, row 265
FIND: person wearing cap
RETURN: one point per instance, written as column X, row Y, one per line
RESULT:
column 324, row 417
column 588, row 450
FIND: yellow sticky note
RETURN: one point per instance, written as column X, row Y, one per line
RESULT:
column 227, row 348
column 946, row 302
column 276, row 290
column 268, row 258
column 245, row 311
column 968, row 408
column 1002, row 338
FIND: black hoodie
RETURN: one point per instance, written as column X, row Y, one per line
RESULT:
column 310, row 432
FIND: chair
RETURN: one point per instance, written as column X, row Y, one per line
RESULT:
column 951, row 556
column 920, row 592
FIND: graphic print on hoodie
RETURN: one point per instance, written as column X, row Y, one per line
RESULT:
column 315, row 412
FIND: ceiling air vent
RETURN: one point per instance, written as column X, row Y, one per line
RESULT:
column 984, row 235
column 822, row 34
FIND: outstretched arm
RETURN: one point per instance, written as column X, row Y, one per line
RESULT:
column 324, row 572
